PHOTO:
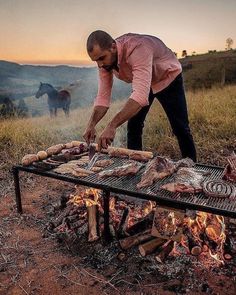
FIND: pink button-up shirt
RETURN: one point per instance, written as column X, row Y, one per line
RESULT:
column 144, row 61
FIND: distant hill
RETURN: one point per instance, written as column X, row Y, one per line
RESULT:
column 206, row 70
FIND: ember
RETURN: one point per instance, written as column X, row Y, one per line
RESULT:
column 202, row 234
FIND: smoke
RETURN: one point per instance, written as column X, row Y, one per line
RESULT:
column 22, row 82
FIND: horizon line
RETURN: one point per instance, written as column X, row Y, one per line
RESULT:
column 77, row 63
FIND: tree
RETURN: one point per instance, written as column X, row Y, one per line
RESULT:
column 184, row 53
column 8, row 108
column 229, row 43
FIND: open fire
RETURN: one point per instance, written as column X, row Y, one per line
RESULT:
column 155, row 230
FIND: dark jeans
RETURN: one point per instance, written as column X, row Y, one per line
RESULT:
column 173, row 102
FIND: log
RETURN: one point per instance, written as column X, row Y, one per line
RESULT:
column 135, row 240
column 81, row 230
column 121, row 231
column 112, row 231
column 150, row 246
column 77, row 224
column 93, row 225
column 230, row 245
column 195, row 247
column 66, row 212
column 164, row 251
column 142, row 225
column 213, row 231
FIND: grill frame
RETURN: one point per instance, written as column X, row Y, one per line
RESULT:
column 126, row 185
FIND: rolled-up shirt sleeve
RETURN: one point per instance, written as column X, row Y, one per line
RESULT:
column 141, row 60
column 105, row 83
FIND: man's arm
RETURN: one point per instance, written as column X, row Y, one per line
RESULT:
column 97, row 114
column 130, row 109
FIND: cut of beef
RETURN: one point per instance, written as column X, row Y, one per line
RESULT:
column 103, row 163
column 157, row 168
column 230, row 169
column 128, row 169
column 187, row 180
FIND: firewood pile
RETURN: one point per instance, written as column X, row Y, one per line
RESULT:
column 153, row 230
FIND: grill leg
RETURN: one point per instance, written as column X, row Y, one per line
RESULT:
column 15, row 172
column 106, row 199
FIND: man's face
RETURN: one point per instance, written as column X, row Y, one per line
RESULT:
column 105, row 58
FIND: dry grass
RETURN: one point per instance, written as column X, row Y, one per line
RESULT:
column 212, row 116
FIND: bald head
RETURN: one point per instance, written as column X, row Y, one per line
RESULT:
column 100, row 38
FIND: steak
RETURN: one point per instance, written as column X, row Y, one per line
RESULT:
column 103, row 163
column 187, row 180
column 157, row 168
column 131, row 168
column 230, row 169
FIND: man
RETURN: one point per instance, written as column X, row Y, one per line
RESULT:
column 154, row 71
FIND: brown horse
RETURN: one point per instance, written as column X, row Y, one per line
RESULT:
column 56, row 99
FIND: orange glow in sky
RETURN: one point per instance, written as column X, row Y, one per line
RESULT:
column 55, row 31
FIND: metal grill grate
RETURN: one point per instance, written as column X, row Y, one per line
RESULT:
column 127, row 185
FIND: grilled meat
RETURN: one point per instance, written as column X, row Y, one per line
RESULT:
column 186, row 180
column 140, row 156
column 157, row 168
column 103, row 163
column 127, row 169
column 55, row 149
column 219, row 189
column 230, row 169
column 186, row 162
column 29, row 159
column 118, row 152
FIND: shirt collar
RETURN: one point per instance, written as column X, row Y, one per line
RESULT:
column 119, row 52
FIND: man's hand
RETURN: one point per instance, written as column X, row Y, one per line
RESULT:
column 89, row 134
column 106, row 138
column 97, row 114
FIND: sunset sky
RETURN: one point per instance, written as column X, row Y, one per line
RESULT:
column 55, row 31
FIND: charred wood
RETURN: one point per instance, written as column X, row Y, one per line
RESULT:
column 195, row 247
column 141, row 225
column 150, row 246
column 93, row 224
column 164, row 251
column 121, row 231
column 135, row 240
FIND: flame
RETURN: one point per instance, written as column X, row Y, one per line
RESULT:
column 87, row 197
column 148, row 207
column 208, row 228
column 112, row 204
column 216, row 257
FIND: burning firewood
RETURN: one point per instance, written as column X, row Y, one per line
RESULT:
column 135, row 240
column 121, row 231
column 150, row 246
column 164, row 251
column 167, row 223
column 194, row 245
column 93, row 225
column 143, row 224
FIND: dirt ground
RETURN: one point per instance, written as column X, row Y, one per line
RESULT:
column 35, row 263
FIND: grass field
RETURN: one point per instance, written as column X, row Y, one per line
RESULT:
column 212, row 115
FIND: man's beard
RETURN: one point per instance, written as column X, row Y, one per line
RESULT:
column 108, row 68
column 111, row 67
